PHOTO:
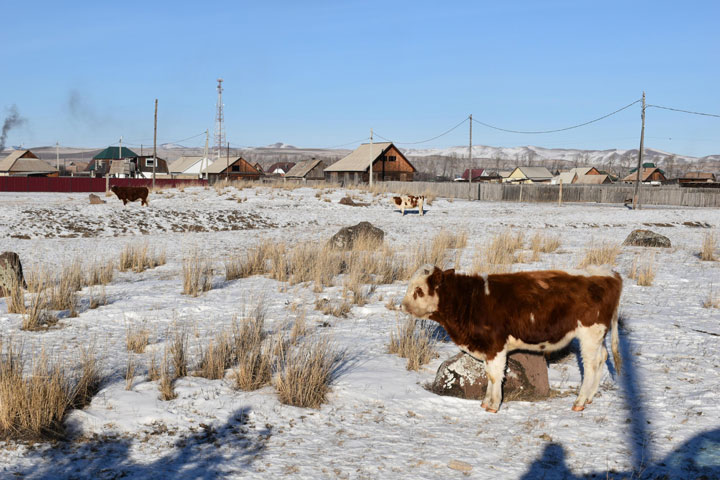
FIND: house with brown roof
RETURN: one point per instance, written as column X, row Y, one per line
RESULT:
column 24, row 163
column 387, row 163
column 308, row 170
column 648, row 175
column 595, row 179
column 530, row 175
column 698, row 177
column 233, row 168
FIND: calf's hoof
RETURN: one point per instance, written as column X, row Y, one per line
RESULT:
column 484, row 405
column 491, row 410
column 578, row 408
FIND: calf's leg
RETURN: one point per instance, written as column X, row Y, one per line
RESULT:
column 591, row 351
column 495, row 371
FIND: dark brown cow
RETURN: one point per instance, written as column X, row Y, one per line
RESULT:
column 488, row 316
column 131, row 194
column 409, row 202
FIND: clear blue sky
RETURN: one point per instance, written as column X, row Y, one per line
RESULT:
column 317, row 74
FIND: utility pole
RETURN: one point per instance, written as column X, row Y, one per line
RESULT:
column 154, row 145
column 371, row 157
column 57, row 156
column 205, row 161
column 227, row 163
column 636, row 196
column 470, row 169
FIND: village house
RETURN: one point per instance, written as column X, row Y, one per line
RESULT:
column 280, row 168
column 24, row 163
column 308, row 170
column 101, row 163
column 387, row 162
column 697, row 177
column 649, row 174
column 233, row 168
column 144, row 166
column 189, row 167
column 529, row 175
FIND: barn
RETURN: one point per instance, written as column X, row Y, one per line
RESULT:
column 233, row 168
column 307, row 170
column 388, row 163
column 24, row 163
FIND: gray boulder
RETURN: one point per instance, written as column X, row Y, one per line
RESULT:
column 462, row 376
column 346, row 237
column 10, row 272
column 647, row 238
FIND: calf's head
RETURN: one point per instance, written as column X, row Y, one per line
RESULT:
column 422, row 296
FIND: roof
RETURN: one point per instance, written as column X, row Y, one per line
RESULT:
column 566, row 177
column 593, row 179
column 535, row 172
column 219, row 165
column 303, row 168
column 700, row 175
column 284, row 166
column 183, row 163
column 360, row 159
column 581, row 170
column 24, row 161
column 476, row 172
column 112, row 153
column 119, row 167
column 646, row 173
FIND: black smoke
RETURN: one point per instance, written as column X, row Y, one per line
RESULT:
column 11, row 121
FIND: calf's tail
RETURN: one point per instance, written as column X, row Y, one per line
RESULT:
column 614, row 341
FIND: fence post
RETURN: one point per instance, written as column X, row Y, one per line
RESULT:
column 560, row 194
column 521, row 187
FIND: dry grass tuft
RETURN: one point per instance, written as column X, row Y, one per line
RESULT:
column 140, row 258
column 36, row 315
column 643, row 271
column 709, row 245
column 137, row 338
column 330, row 308
column 438, row 252
column 216, row 357
column 543, row 243
column 306, row 373
column 602, row 254
column 15, row 296
column 197, row 275
column 254, row 368
column 101, row 274
column 178, row 351
column 153, row 369
column 167, row 379
column 413, row 341
column 500, row 254
column 33, row 407
column 99, row 300
column 130, row 372
column 253, row 262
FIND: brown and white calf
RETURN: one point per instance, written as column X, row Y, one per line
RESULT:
column 130, row 194
column 488, row 316
column 409, row 202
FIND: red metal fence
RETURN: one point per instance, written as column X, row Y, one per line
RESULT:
column 81, row 184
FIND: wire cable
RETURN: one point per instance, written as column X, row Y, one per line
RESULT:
column 345, row 144
column 558, row 129
column 683, row 111
column 424, row 141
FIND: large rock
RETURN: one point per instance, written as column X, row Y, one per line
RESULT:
column 95, row 200
column 10, row 272
column 462, row 376
column 646, row 238
column 346, row 237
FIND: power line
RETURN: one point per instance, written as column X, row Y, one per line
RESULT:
column 558, row 129
column 345, row 144
column 684, row 111
column 425, row 141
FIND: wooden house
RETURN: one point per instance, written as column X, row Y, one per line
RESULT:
column 144, row 166
column 648, row 175
column 24, row 163
column 530, row 175
column 388, row 163
column 101, row 163
column 308, row 170
column 189, row 166
column 234, row 168
column 594, row 179
column 697, row 177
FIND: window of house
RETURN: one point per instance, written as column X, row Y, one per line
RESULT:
column 149, row 162
column 391, row 158
column 235, row 168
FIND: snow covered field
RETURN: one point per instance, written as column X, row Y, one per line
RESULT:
column 660, row 418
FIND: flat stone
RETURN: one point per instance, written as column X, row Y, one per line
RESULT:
column 647, row 238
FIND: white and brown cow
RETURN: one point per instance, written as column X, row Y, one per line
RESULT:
column 488, row 316
column 409, row 202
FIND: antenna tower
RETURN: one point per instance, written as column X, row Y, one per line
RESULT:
column 219, row 121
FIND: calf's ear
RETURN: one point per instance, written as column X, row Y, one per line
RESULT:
column 434, row 280
column 450, row 271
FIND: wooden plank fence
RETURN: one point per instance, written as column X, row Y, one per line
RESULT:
column 672, row 195
column 84, row 184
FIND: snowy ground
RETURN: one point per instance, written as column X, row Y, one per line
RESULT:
column 661, row 418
